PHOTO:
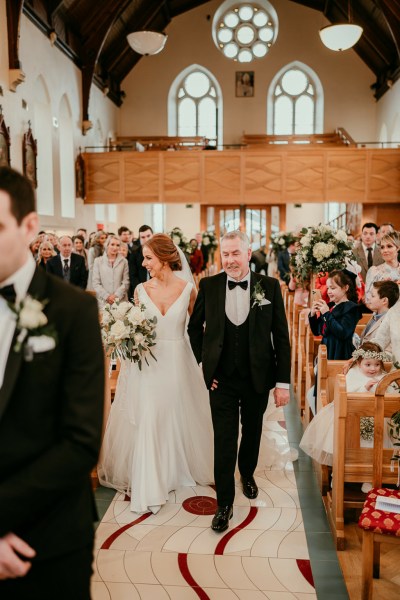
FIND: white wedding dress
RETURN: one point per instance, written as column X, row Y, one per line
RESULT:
column 159, row 433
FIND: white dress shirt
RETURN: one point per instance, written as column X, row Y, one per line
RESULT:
column 237, row 301
column 21, row 280
column 237, row 307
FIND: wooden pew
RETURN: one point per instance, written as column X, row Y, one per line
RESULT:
column 350, row 462
column 294, row 326
column 312, row 345
column 301, row 363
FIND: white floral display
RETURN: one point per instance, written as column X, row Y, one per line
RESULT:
column 180, row 240
column 322, row 249
column 127, row 333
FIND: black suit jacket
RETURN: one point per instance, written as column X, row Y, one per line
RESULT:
column 51, row 411
column 78, row 273
column 283, row 265
column 269, row 347
column 137, row 272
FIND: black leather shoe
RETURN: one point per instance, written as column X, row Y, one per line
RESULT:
column 250, row 488
column 221, row 518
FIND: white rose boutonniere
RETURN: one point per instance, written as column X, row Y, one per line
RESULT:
column 34, row 334
column 258, row 295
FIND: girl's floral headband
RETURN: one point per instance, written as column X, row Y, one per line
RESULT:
column 360, row 353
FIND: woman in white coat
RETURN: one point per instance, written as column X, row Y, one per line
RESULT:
column 111, row 274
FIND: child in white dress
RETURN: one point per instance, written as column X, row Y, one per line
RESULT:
column 364, row 375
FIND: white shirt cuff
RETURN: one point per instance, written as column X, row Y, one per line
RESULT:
column 282, row 386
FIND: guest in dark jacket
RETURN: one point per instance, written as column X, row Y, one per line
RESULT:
column 284, row 258
column 338, row 319
column 137, row 272
column 68, row 266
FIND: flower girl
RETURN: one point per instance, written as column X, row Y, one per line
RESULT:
column 363, row 376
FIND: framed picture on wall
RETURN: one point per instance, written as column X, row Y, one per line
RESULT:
column 244, row 84
column 80, row 176
column 29, row 155
column 4, row 142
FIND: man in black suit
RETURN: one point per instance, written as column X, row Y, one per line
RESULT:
column 68, row 265
column 244, row 350
column 284, row 258
column 137, row 272
column 51, row 408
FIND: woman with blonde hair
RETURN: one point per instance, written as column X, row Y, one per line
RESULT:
column 388, row 270
column 111, row 274
column 46, row 251
column 159, row 433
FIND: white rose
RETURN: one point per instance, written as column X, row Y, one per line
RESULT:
column 341, row 235
column 176, row 239
column 119, row 331
column 206, row 240
column 281, row 242
column 138, row 337
column 31, row 315
column 305, row 240
column 259, row 296
column 106, row 318
column 135, row 316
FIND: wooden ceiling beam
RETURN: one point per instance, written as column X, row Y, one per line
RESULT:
column 14, row 12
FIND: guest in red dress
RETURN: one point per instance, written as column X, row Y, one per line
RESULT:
column 196, row 258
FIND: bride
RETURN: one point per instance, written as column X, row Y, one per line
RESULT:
column 159, row 432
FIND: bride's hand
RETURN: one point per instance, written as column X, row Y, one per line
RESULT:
column 214, row 385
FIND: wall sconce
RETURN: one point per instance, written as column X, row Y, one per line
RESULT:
column 86, row 125
column 52, row 37
column 341, row 36
column 147, row 42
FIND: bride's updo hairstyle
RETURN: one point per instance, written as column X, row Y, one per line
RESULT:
column 165, row 250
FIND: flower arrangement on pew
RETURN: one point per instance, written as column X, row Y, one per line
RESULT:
column 322, row 249
column 281, row 241
column 127, row 333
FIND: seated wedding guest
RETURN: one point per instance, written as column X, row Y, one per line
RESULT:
column 389, row 332
column 367, row 252
column 137, row 272
column 384, row 229
column 125, row 235
column 124, row 249
column 46, row 251
column 111, row 274
column 301, row 291
column 34, row 247
column 53, row 239
column 196, row 259
column 51, row 416
column 79, row 248
column 204, row 249
column 390, row 268
column 83, row 233
column 366, row 371
column 67, row 265
column 338, row 319
column 96, row 249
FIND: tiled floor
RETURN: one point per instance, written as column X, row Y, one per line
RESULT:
column 277, row 546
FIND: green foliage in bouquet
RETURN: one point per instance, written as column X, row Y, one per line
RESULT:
column 322, row 249
column 209, row 239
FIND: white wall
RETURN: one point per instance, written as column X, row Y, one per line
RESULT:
column 59, row 77
column 305, row 216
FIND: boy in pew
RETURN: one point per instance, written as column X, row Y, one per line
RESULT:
column 383, row 295
column 366, row 371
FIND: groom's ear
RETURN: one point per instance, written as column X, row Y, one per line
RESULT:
column 249, row 253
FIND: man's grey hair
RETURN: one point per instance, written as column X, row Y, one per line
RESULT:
column 233, row 235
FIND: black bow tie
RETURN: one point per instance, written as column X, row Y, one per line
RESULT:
column 8, row 293
column 233, row 284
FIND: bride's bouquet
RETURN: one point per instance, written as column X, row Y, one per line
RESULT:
column 127, row 333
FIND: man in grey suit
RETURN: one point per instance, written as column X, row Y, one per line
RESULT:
column 367, row 253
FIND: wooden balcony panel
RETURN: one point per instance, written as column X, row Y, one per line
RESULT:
column 347, row 176
column 278, row 174
column 263, row 178
column 222, row 177
column 303, row 176
column 142, row 177
column 181, row 182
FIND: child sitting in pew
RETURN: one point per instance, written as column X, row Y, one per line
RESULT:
column 364, row 375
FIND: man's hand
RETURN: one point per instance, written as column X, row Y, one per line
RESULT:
column 11, row 565
column 281, row 397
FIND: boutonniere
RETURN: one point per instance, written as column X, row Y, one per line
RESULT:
column 258, row 295
column 34, row 332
